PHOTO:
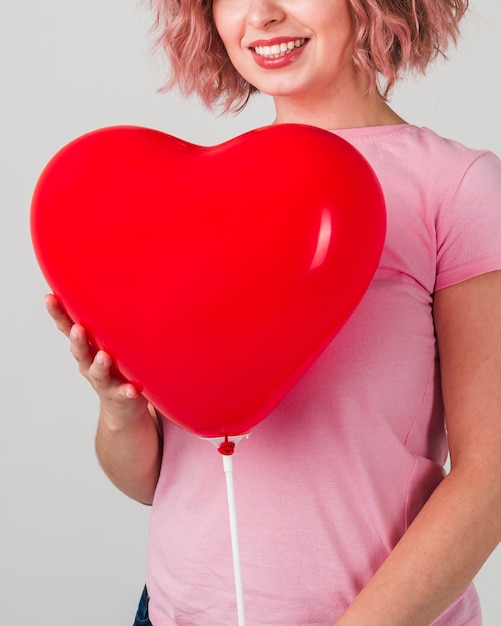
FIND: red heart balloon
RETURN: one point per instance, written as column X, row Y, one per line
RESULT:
column 214, row 276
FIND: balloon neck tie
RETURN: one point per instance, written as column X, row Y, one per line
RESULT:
column 227, row 447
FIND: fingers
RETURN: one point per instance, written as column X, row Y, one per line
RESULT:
column 95, row 366
column 121, row 402
column 100, row 369
column 81, row 348
column 121, row 399
column 99, row 372
column 58, row 314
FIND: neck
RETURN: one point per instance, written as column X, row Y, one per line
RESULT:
column 344, row 110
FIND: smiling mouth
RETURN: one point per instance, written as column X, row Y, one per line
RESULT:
column 279, row 49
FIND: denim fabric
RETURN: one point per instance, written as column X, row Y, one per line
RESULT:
column 142, row 618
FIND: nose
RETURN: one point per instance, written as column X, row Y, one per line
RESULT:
column 264, row 13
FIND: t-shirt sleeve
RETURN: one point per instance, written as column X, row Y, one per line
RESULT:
column 469, row 227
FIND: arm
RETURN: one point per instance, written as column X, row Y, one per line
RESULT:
column 128, row 440
column 460, row 525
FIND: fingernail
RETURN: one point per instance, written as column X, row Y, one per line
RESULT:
column 131, row 393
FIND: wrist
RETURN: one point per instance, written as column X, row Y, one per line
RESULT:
column 117, row 421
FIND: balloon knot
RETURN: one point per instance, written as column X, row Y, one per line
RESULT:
column 227, row 447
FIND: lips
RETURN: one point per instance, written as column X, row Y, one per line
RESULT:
column 275, row 53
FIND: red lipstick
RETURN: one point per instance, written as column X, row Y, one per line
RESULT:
column 278, row 52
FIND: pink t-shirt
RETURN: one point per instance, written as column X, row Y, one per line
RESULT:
column 328, row 483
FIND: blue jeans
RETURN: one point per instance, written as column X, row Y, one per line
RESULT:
column 142, row 618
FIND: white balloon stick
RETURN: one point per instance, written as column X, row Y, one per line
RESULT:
column 228, row 469
column 226, row 445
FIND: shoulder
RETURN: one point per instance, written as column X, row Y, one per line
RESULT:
column 422, row 158
column 447, row 155
column 443, row 202
column 418, row 160
column 431, row 148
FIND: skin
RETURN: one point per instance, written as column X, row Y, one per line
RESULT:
column 322, row 87
column 461, row 523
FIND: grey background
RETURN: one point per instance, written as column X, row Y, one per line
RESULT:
column 72, row 549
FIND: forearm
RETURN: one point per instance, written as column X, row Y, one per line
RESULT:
column 130, row 454
column 438, row 556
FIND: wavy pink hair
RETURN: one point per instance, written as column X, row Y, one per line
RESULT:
column 391, row 37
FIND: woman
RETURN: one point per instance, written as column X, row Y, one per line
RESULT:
column 346, row 515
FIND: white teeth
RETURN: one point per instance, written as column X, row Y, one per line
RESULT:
column 279, row 50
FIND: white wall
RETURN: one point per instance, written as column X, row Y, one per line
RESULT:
column 72, row 549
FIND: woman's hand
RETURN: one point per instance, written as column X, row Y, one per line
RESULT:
column 128, row 439
column 120, row 401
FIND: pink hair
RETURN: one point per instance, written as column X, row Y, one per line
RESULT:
column 391, row 37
